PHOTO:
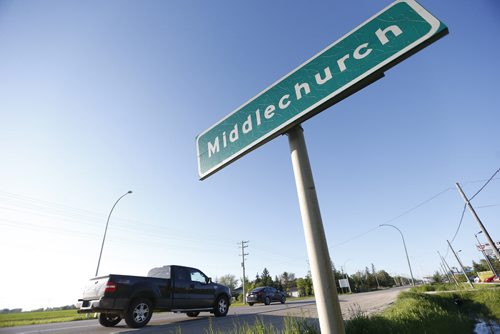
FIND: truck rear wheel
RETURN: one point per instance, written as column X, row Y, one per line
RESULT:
column 221, row 306
column 139, row 313
column 109, row 320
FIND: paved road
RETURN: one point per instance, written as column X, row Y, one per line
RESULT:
column 274, row 314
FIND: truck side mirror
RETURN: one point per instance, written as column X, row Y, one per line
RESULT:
column 208, row 280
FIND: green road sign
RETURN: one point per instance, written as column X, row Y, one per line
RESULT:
column 344, row 67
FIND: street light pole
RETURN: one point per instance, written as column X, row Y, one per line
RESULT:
column 445, row 264
column 484, row 254
column 406, row 251
column 106, row 229
column 461, row 265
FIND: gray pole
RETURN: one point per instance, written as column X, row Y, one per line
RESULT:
column 378, row 285
column 461, row 265
column 474, row 214
column 406, row 251
column 440, row 270
column 243, row 246
column 395, row 280
column 327, row 301
column 106, row 230
column 485, row 256
column 443, row 268
column 444, row 272
column 449, row 269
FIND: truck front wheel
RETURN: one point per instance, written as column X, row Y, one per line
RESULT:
column 139, row 313
column 221, row 306
column 109, row 320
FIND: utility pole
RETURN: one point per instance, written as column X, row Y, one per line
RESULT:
column 378, row 285
column 443, row 272
column 461, row 265
column 443, row 268
column 474, row 214
column 449, row 269
column 243, row 245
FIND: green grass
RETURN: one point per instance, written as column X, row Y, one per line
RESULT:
column 291, row 325
column 43, row 317
column 445, row 312
column 413, row 312
column 451, row 287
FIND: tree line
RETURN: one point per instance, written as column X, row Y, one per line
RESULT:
column 366, row 280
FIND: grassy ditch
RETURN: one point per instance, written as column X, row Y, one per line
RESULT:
column 42, row 317
column 414, row 312
column 451, row 287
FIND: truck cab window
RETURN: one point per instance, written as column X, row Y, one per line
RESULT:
column 196, row 276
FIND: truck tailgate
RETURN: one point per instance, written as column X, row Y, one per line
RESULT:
column 95, row 288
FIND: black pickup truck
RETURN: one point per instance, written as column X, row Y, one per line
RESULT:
column 169, row 288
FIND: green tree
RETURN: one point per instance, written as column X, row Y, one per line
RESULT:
column 266, row 279
column 248, row 284
column 258, row 281
column 384, row 278
column 437, row 277
column 228, row 280
column 301, row 286
column 305, row 286
column 277, row 283
column 285, row 281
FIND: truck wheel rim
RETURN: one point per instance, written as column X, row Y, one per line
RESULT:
column 222, row 306
column 141, row 312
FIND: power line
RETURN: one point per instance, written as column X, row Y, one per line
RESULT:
column 465, row 207
column 354, row 237
column 458, row 229
column 459, row 224
column 418, row 205
column 395, row 218
column 491, row 178
column 487, row 206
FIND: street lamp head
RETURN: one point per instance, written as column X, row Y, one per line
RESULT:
column 129, row 192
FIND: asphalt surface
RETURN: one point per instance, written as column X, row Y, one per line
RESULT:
column 274, row 314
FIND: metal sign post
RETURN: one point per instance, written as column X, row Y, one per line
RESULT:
column 325, row 290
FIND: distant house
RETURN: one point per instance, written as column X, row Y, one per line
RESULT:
column 293, row 292
column 236, row 292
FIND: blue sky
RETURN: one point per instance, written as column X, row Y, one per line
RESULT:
column 100, row 98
